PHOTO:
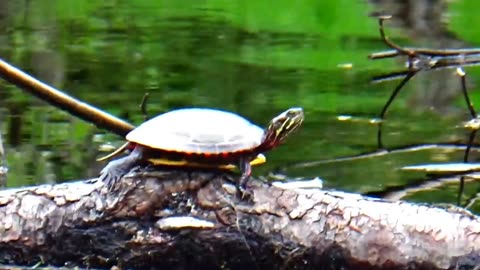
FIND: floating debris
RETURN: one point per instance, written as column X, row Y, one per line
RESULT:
column 345, row 66
column 446, row 168
column 305, row 184
column 357, row 119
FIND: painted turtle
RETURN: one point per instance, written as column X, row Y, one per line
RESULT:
column 202, row 137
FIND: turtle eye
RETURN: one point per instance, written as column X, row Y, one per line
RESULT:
column 291, row 114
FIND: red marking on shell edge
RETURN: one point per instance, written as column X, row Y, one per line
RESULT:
column 131, row 146
column 224, row 155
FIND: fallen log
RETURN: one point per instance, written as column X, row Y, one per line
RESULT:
column 195, row 220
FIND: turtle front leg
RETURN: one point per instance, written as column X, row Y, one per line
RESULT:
column 246, row 169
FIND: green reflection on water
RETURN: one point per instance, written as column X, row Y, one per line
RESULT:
column 250, row 57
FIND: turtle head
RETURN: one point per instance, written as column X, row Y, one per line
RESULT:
column 281, row 126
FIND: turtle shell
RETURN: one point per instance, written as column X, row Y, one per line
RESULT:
column 199, row 131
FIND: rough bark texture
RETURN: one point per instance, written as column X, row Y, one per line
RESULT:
column 85, row 224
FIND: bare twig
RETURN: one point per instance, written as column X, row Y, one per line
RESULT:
column 427, row 59
column 143, row 106
column 389, row 101
column 414, row 52
column 432, row 64
column 462, row 75
column 3, row 164
column 420, row 59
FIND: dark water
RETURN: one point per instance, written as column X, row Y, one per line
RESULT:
column 248, row 57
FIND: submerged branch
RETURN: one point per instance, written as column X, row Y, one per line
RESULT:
column 389, row 151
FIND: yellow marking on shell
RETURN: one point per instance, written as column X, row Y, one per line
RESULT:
column 114, row 153
column 164, row 161
column 259, row 159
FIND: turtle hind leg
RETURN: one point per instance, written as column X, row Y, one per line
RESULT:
column 115, row 169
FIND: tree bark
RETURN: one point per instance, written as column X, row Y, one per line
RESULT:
column 195, row 220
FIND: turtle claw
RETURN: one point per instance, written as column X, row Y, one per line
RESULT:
column 109, row 178
column 114, row 171
column 243, row 193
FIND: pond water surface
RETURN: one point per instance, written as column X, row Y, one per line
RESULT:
column 249, row 57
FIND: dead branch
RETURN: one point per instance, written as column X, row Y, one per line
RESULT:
column 420, row 59
column 194, row 220
column 63, row 101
